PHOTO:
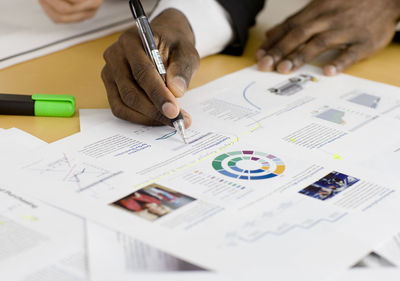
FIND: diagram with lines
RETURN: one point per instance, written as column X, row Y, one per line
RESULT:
column 280, row 221
column 80, row 175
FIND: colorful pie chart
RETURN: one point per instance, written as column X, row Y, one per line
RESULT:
column 248, row 165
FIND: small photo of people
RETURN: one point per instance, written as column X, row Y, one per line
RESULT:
column 329, row 186
column 153, row 202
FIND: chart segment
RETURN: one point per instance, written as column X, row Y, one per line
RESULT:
column 248, row 165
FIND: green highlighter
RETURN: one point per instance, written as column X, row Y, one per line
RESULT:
column 37, row 105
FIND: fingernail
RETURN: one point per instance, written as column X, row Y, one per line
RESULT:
column 285, row 67
column 179, row 85
column 169, row 110
column 260, row 54
column 330, row 70
column 266, row 63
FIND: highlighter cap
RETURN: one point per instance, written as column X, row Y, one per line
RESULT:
column 54, row 105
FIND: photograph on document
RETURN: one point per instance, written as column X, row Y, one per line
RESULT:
column 153, row 202
column 329, row 186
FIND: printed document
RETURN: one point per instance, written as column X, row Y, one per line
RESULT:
column 275, row 175
column 35, row 237
column 114, row 255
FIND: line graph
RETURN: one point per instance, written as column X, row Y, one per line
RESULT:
column 260, row 95
column 246, row 98
column 300, row 226
column 280, row 222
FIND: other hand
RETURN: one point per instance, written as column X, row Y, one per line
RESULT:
column 135, row 90
column 358, row 28
column 67, row 11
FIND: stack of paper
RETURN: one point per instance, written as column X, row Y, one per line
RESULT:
column 283, row 177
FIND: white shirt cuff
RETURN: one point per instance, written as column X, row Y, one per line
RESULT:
column 210, row 23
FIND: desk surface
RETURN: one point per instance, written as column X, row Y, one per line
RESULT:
column 64, row 73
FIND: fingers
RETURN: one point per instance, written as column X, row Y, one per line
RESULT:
column 130, row 113
column 126, row 104
column 135, row 89
column 290, row 42
column 358, row 28
column 57, row 18
column 65, row 11
column 146, row 75
column 275, row 34
column 72, row 6
column 183, row 63
column 314, row 47
column 348, row 57
column 119, row 109
column 128, row 90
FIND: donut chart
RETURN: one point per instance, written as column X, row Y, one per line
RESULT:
column 248, row 165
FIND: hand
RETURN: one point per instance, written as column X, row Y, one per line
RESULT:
column 358, row 28
column 67, row 11
column 135, row 90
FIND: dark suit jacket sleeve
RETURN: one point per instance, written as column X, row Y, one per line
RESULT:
column 397, row 37
column 243, row 14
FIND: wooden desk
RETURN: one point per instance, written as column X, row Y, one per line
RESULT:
column 77, row 70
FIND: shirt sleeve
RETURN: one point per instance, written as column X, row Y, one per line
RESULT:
column 243, row 15
column 210, row 23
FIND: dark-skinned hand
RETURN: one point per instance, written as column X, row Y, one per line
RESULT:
column 135, row 90
column 358, row 28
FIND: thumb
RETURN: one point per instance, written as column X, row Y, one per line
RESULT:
column 183, row 64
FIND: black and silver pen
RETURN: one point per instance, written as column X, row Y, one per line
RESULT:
column 146, row 35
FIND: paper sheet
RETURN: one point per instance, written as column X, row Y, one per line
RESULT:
column 369, row 275
column 116, row 255
column 71, row 267
column 271, row 178
column 15, row 139
column 391, row 249
column 14, row 143
column 36, row 35
column 192, row 276
column 34, row 236
column 69, row 262
column 89, row 118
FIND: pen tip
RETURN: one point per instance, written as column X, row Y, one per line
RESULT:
column 180, row 127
